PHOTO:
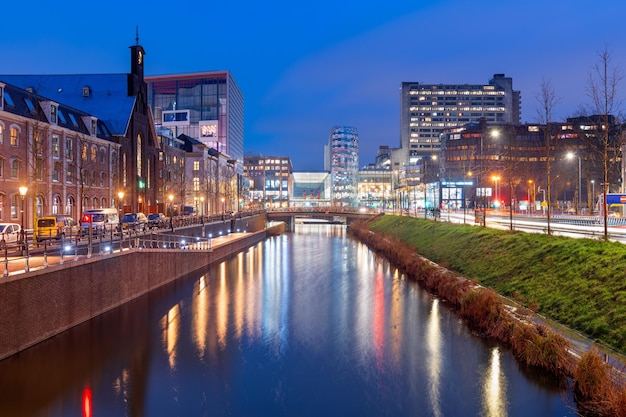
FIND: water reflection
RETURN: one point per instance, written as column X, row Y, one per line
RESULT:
column 434, row 346
column 306, row 324
column 494, row 387
column 170, row 324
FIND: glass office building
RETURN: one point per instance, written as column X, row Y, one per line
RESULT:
column 206, row 106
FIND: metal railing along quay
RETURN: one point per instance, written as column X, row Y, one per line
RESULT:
column 18, row 258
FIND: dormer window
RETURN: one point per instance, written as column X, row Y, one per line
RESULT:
column 1, row 96
column 94, row 126
column 53, row 114
column 86, row 91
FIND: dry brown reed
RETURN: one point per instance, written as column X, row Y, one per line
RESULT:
column 485, row 312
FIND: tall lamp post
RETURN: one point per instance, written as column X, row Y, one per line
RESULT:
column 23, row 191
column 120, row 196
column 577, row 201
column 593, row 196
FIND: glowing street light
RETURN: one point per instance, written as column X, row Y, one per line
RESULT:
column 23, row 191
column 577, row 201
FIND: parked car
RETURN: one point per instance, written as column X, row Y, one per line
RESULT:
column 157, row 220
column 134, row 221
column 10, row 232
column 56, row 226
column 102, row 221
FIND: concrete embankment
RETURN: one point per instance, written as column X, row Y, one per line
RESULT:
column 40, row 304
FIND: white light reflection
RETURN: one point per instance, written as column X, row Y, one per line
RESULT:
column 222, row 307
column 200, row 318
column 494, row 388
column 433, row 347
column 238, row 297
column 170, row 324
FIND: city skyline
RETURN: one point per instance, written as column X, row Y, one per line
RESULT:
column 304, row 71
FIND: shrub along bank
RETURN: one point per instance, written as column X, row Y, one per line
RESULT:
column 578, row 282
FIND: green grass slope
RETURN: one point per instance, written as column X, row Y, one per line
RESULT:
column 580, row 283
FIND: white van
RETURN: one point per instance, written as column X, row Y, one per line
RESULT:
column 102, row 221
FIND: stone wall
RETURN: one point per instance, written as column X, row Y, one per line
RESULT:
column 40, row 304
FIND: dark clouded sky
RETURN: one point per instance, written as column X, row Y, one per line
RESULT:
column 304, row 67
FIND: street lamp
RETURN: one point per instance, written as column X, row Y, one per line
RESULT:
column 577, row 203
column 593, row 196
column 530, row 195
column 120, row 196
column 23, row 191
column 223, row 207
column 495, row 133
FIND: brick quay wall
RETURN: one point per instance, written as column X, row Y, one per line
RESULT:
column 37, row 305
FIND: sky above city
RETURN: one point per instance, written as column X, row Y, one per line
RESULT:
column 306, row 67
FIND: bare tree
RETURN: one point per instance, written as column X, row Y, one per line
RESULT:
column 85, row 163
column 547, row 101
column 602, row 84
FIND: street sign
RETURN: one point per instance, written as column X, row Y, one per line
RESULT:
column 614, row 198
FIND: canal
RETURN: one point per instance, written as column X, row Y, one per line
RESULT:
column 310, row 323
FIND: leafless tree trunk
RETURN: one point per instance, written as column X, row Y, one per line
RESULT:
column 547, row 101
column 604, row 78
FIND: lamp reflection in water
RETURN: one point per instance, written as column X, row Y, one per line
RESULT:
column 200, row 320
column 494, row 388
column 433, row 346
column 170, row 323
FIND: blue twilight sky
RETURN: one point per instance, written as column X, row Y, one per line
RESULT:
column 304, row 67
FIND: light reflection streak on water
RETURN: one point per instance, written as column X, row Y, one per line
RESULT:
column 379, row 317
column 222, row 307
column 238, row 306
column 494, row 388
column 433, row 347
column 275, row 289
column 396, row 316
column 200, row 305
column 170, row 323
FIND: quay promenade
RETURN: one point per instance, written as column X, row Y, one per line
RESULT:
column 41, row 296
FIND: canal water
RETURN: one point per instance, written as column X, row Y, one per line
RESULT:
column 310, row 323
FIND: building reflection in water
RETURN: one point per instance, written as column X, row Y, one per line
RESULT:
column 494, row 387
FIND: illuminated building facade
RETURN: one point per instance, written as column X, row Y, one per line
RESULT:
column 269, row 180
column 342, row 161
column 206, row 107
column 427, row 109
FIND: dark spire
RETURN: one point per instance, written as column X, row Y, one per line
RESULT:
column 137, row 35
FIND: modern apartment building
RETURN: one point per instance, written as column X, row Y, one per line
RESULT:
column 427, row 109
column 342, row 161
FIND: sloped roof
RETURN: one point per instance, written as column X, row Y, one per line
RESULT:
column 21, row 102
column 107, row 100
column 189, row 143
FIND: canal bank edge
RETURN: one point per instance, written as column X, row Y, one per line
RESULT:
column 41, row 304
column 534, row 341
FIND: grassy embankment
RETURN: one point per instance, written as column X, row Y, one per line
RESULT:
column 578, row 282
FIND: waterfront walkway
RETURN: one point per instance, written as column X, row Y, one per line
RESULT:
column 69, row 252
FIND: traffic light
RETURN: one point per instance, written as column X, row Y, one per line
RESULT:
column 141, row 183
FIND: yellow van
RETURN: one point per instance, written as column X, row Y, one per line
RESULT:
column 55, row 227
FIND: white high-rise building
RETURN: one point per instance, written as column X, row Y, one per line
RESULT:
column 342, row 161
column 427, row 109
